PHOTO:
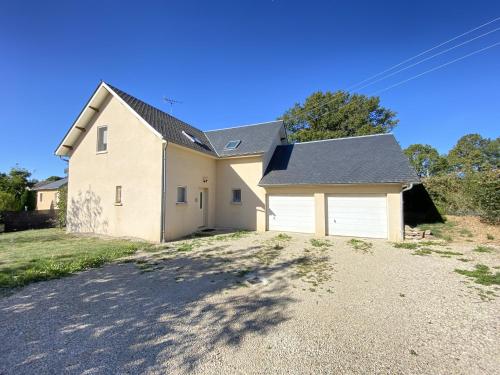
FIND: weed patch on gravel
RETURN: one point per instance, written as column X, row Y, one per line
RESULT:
column 406, row 245
column 271, row 249
column 360, row 245
column 421, row 249
column 481, row 275
column 484, row 249
column 422, row 252
column 314, row 270
column 320, row 243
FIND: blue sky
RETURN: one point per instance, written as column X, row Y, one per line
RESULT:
column 238, row 62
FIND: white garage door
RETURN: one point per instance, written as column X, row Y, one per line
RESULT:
column 357, row 215
column 291, row 213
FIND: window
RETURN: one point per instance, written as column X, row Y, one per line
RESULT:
column 102, row 139
column 236, row 196
column 231, row 145
column 181, row 194
column 192, row 138
column 118, row 195
column 41, row 197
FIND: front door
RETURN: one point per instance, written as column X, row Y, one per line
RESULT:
column 203, row 206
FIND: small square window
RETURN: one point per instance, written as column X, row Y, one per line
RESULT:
column 102, row 138
column 181, row 194
column 118, row 195
column 231, row 145
column 236, row 196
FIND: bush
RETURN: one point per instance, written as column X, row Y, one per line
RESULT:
column 62, row 206
column 487, row 196
column 472, row 194
column 451, row 194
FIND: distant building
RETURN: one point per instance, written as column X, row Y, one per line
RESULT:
column 47, row 193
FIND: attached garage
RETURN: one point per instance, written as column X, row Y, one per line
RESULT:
column 291, row 213
column 341, row 187
column 357, row 215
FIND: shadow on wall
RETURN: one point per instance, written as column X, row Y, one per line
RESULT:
column 119, row 319
column 419, row 208
column 85, row 213
column 244, row 215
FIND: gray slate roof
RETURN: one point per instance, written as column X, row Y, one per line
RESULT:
column 168, row 126
column 355, row 160
column 53, row 185
column 254, row 139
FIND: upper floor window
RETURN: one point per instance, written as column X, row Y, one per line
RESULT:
column 102, row 139
column 231, row 145
column 41, row 197
column 192, row 138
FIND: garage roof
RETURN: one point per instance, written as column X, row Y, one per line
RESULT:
column 354, row 160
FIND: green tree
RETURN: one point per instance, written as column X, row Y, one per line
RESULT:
column 326, row 115
column 53, row 178
column 473, row 153
column 16, row 182
column 426, row 160
column 8, row 202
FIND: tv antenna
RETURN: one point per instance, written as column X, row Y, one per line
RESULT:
column 171, row 102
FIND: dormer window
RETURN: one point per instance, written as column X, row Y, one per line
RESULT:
column 231, row 145
column 192, row 138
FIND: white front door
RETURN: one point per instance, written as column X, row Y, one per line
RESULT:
column 357, row 215
column 203, row 206
column 291, row 213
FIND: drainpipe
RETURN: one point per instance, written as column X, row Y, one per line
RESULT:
column 163, row 191
column 408, row 187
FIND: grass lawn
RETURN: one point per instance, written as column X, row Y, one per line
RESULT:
column 44, row 254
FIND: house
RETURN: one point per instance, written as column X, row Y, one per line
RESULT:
column 47, row 193
column 137, row 171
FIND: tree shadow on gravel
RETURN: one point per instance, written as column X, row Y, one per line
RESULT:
column 165, row 316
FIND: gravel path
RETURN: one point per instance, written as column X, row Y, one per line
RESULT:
column 338, row 310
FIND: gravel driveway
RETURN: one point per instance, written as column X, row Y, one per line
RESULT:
column 259, row 304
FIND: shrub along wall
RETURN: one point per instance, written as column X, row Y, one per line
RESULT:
column 23, row 220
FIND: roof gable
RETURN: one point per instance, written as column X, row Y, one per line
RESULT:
column 254, row 139
column 168, row 126
column 355, row 160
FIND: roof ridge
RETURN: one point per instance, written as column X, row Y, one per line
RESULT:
column 152, row 106
column 336, row 139
column 243, row 126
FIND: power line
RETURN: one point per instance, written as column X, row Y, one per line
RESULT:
column 429, row 71
column 435, row 68
column 423, row 53
column 427, row 58
column 303, row 110
column 418, row 55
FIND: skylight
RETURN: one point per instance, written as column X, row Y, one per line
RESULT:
column 192, row 138
column 231, row 145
